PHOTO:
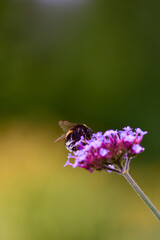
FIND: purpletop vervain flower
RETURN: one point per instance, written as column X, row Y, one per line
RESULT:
column 109, row 151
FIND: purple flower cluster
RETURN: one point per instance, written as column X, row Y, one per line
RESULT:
column 108, row 151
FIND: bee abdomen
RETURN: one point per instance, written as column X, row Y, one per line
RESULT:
column 71, row 138
column 74, row 135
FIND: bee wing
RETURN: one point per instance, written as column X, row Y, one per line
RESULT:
column 60, row 138
column 65, row 125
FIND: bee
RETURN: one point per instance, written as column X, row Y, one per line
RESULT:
column 73, row 133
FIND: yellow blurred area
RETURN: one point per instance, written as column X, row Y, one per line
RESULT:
column 42, row 200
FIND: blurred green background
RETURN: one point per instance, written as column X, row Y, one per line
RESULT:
column 93, row 62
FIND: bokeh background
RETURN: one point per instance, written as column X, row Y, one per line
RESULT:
column 86, row 61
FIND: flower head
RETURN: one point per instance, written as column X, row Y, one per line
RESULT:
column 109, row 151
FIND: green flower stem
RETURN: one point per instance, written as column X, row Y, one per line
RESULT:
column 141, row 194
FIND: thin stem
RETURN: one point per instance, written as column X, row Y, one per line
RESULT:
column 126, row 167
column 112, row 169
column 141, row 194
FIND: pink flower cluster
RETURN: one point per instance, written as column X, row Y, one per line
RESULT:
column 108, row 151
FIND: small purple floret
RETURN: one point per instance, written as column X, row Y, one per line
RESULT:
column 136, row 149
column 107, row 151
column 109, row 133
column 103, row 152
